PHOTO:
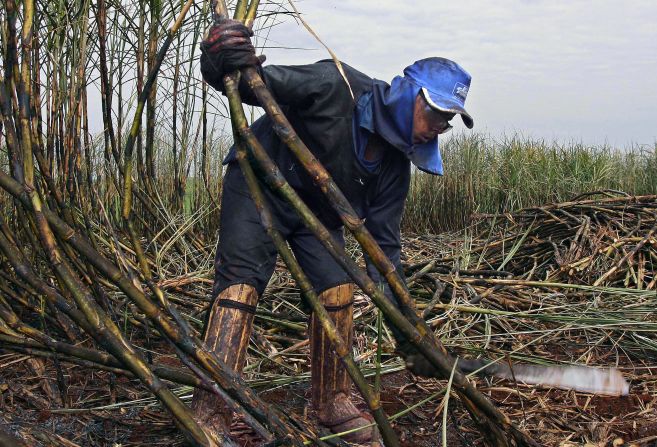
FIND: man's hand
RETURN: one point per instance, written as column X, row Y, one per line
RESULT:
column 416, row 362
column 227, row 48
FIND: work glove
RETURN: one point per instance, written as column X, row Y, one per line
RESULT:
column 416, row 362
column 227, row 48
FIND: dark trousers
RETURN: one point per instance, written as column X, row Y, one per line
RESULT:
column 247, row 255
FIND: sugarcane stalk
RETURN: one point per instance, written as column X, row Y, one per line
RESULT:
column 625, row 258
column 251, row 12
column 146, row 96
column 94, row 358
column 105, row 88
column 155, row 7
column 104, row 329
column 236, row 388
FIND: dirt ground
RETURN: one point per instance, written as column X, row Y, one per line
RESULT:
column 554, row 417
column 49, row 404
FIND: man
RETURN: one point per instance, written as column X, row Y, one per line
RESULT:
column 367, row 142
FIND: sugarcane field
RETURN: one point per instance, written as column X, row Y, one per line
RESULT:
column 328, row 223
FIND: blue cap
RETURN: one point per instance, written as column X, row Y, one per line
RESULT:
column 444, row 85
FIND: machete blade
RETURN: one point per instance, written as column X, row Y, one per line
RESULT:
column 607, row 381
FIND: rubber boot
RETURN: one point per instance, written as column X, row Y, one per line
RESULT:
column 331, row 384
column 227, row 333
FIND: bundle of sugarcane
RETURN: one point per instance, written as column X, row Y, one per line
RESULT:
column 586, row 262
column 609, row 241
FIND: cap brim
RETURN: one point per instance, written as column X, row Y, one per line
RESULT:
column 448, row 105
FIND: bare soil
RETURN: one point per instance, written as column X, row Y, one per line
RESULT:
column 555, row 417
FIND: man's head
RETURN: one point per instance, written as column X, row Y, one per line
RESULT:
column 443, row 86
column 415, row 108
column 428, row 122
column 439, row 87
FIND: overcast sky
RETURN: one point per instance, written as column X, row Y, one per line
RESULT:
column 560, row 70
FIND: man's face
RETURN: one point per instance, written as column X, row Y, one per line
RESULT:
column 428, row 122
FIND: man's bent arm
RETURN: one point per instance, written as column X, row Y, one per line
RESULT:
column 384, row 223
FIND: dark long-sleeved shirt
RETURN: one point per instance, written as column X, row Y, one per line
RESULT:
column 319, row 105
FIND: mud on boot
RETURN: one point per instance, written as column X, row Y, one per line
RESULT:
column 227, row 333
column 331, row 383
column 340, row 415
